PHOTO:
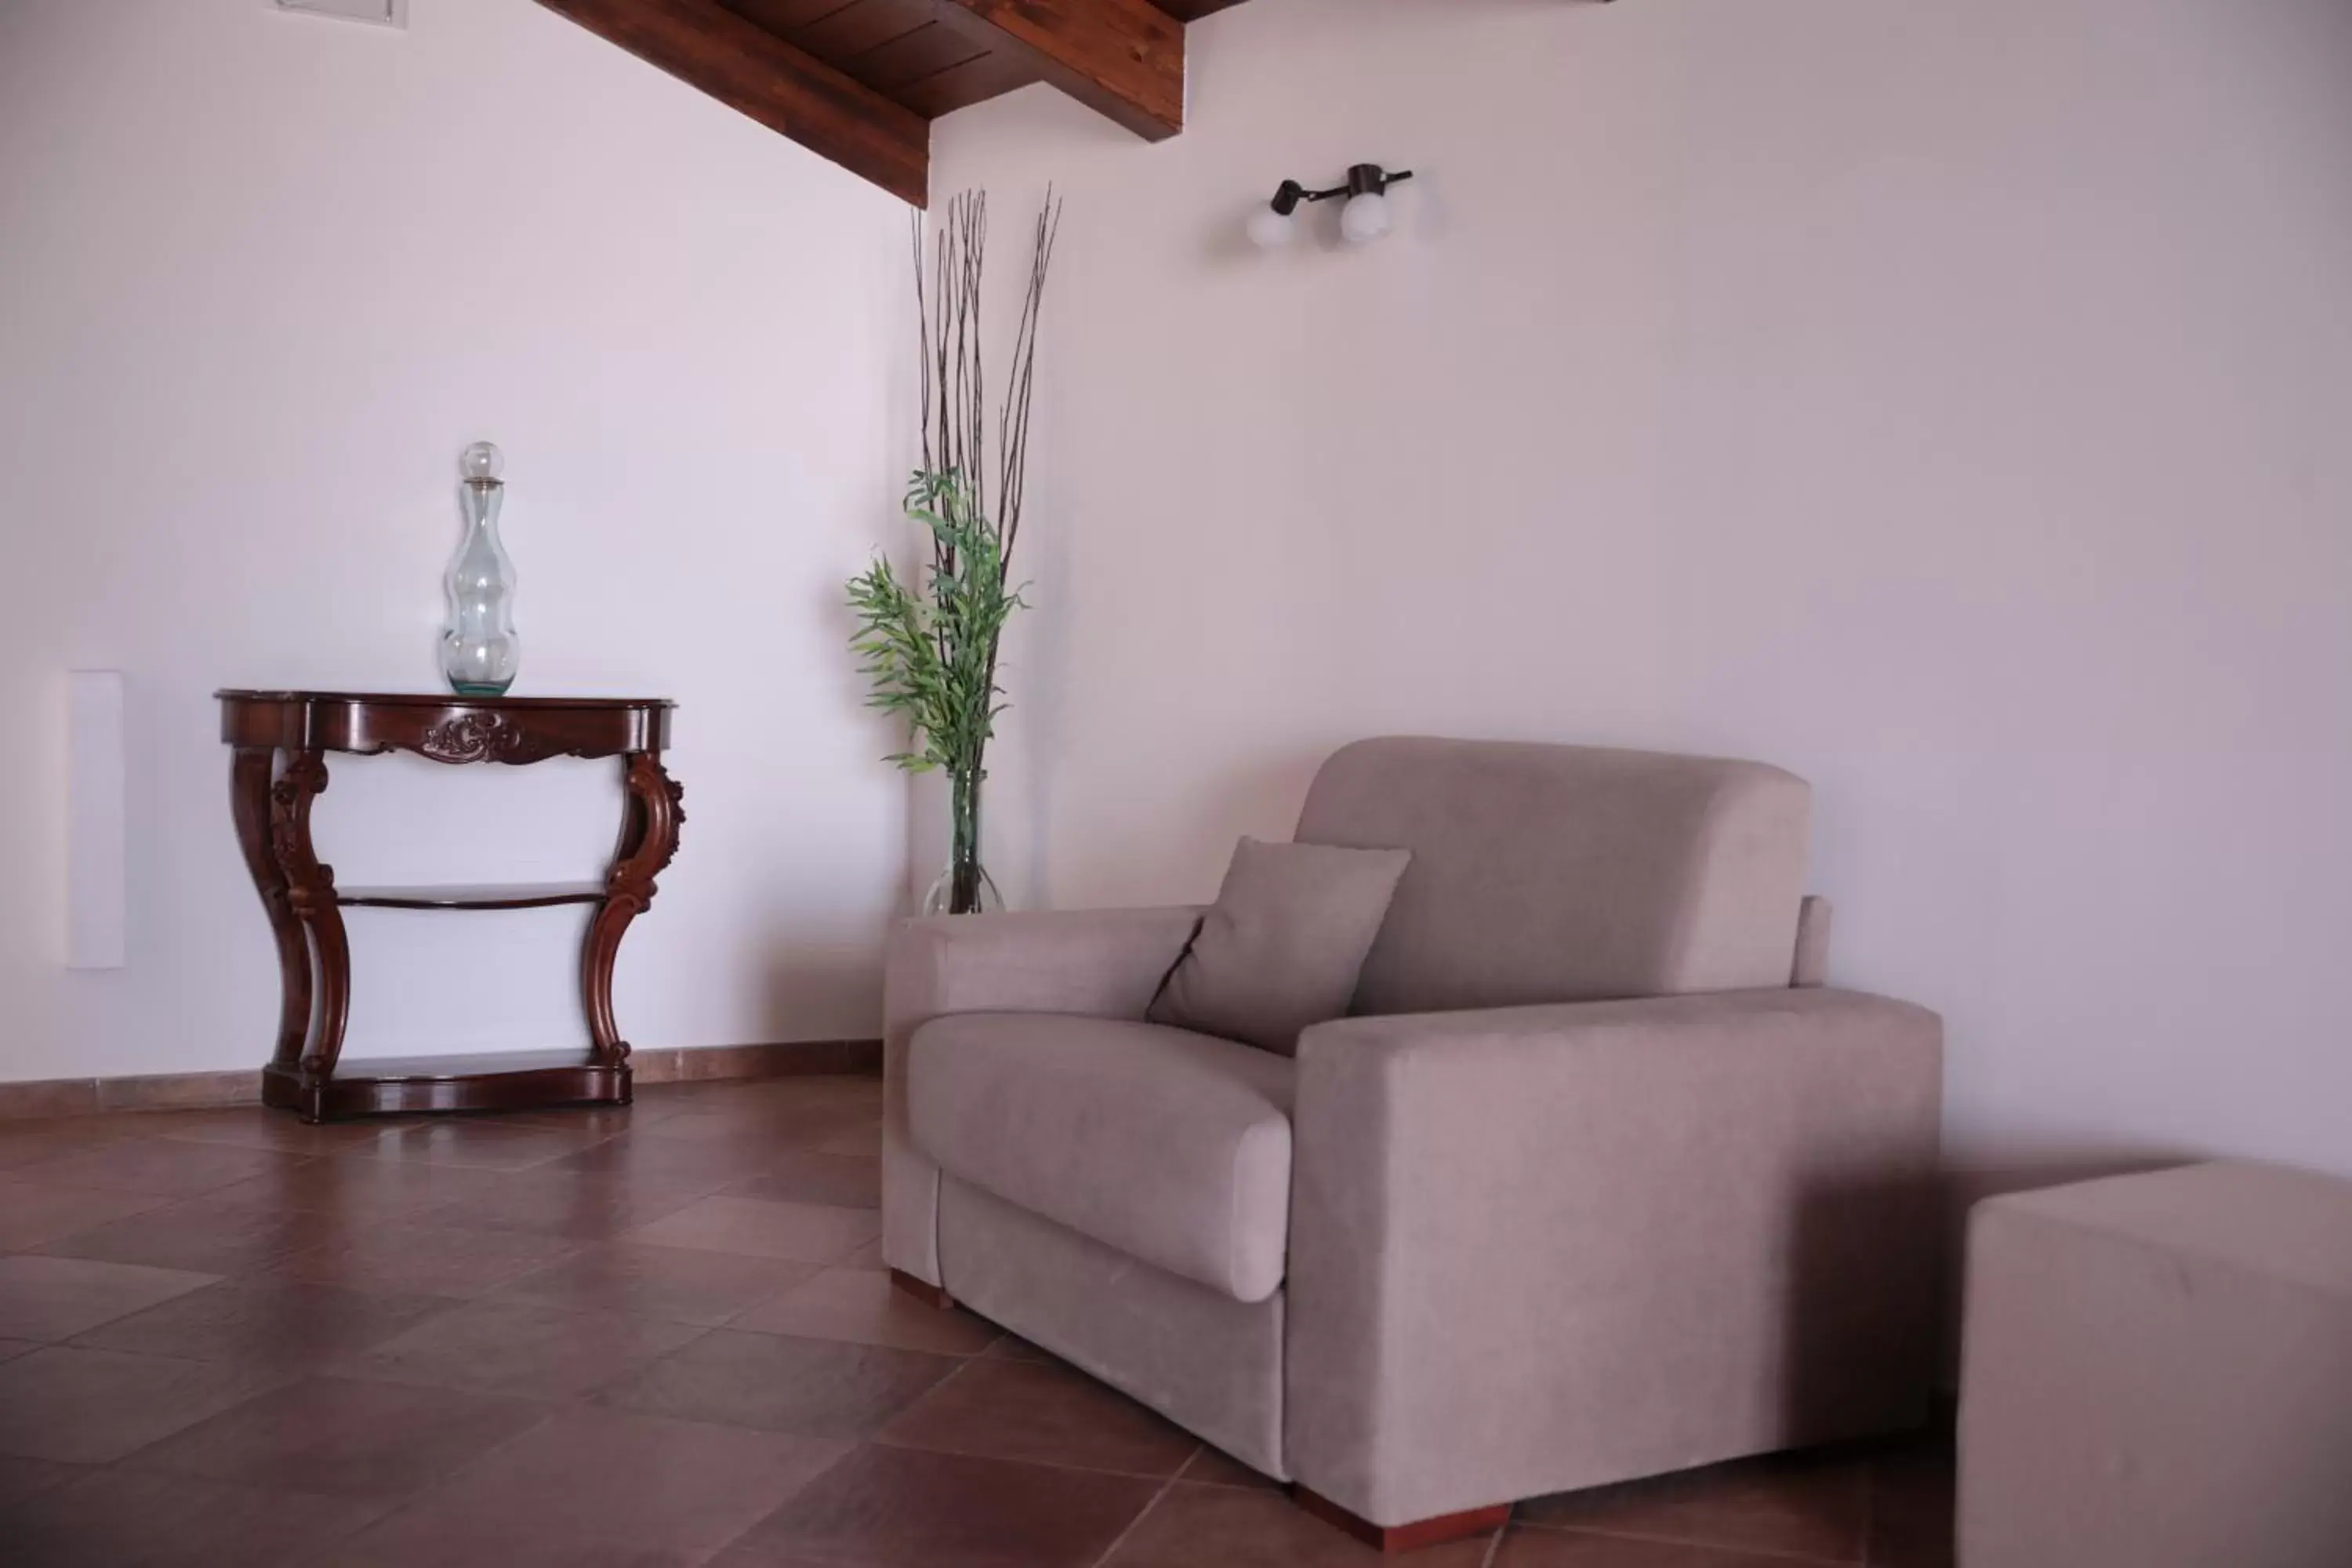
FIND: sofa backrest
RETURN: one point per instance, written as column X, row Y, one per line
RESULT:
column 1567, row 873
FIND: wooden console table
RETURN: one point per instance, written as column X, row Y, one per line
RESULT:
column 272, row 807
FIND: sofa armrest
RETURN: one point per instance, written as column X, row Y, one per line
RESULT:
column 1099, row 963
column 1544, row 1247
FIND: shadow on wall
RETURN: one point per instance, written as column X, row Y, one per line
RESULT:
column 1261, row 800
column 804, row 982
column 1875, row 1255
column 1165, row 854
column 1861, row 1300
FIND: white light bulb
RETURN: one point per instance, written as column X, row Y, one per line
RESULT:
column 1270, row 230
column 1365, row 218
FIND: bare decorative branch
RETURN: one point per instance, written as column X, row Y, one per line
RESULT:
column 931, row 655
column 954, row 370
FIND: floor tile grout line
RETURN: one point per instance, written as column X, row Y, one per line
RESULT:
column 903, row 1446
column 1145, row 1512
column 961, row 1364
column 495, row 1133
column 427, row 1491
column 135, row 1356
column 1058, row 1466
column 849, row 1450
column 210, row 1280
column 424, row 1492
column 1806, row 1560
column 317, row 1556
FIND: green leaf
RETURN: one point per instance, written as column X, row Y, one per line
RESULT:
column 929, row 656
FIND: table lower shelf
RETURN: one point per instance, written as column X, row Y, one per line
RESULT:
column 473, row 896
column 526, row 1080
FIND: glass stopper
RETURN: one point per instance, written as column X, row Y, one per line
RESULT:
column 482, row 460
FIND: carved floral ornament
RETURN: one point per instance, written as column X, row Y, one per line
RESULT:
column 473, row 738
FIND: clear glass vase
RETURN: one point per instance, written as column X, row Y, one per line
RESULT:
column 479, row 650
column 965, row 887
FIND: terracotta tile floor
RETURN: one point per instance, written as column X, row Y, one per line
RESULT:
column 658, row 1338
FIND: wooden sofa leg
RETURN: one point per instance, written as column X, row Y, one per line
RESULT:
column 1421, row 1532
column 922, row 1290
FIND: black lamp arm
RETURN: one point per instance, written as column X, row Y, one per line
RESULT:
column 1364, row 179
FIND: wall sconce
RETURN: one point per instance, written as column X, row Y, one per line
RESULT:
column 1364, row 219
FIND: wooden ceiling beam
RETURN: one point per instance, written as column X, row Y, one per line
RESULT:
column 1124, row 58
column 1193, row 10
column 747, row 67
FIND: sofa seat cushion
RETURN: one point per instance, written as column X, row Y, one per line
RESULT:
column 1171, row 1146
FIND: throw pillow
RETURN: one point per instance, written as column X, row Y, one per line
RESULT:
column 1281, row 947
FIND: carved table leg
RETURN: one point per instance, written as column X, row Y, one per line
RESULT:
column 248, row 789
column 649, row 827
column 310, row 891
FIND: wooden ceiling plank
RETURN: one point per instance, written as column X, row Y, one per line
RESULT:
column 984, row 77
column 1124, row 58
column 781, row 16
column 925, row 52
column 708, row 47
column 1193, row 10
column 861, row 26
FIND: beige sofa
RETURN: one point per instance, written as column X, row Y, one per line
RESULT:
column 2157, row 1374
column 1599, row 1182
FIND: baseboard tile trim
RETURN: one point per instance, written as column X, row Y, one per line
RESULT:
column 44, row 1097
column 799, row 1059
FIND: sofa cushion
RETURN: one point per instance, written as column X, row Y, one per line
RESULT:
column 1171, row 1146
column 1282, row 946
column 1550, row 874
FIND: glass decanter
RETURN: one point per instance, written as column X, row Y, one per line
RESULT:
column 479, row 650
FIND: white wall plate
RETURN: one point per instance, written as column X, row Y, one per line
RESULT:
column 383, row 13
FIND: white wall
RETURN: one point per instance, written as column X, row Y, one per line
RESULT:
column 1952, row 403
column 261, row 276
column 1948, row 402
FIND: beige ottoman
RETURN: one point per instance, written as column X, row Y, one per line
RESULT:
column 2157, row 1374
